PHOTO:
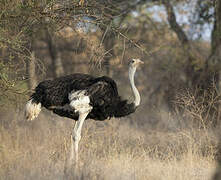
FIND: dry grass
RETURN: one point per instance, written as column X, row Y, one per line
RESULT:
column 113, row 149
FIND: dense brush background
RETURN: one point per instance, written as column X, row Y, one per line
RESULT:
column 173, row 135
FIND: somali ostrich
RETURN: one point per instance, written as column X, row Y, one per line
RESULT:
column 80, row 97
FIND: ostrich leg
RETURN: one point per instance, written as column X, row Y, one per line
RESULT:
column 76, row 136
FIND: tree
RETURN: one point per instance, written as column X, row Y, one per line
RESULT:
column 25, row 21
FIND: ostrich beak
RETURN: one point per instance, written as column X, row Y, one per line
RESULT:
column 140, row 62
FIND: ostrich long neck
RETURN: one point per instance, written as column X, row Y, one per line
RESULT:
column 132, row 71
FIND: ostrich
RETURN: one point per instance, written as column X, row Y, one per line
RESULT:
column 80, row 97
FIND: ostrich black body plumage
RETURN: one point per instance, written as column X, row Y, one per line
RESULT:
column 102, row 92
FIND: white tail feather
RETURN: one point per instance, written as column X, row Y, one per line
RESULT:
column 32, row 110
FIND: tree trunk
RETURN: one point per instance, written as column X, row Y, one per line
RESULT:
column 31, row 72
column 191, row 74
column 58, row 69
column 174, row 25
column 214, row 61
column 57, row 64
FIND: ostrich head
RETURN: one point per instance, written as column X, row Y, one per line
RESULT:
column 133, row 64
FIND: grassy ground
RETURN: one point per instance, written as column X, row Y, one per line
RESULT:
column 111, row 150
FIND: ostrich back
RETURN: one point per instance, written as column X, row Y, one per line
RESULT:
column 55, row 92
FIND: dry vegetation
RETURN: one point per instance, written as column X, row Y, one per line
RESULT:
column 151, row 144
column 159, row 141
column 113, row 149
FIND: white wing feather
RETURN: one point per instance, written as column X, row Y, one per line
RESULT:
column 79, row 101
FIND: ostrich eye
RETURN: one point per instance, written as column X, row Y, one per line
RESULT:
column 132, row 61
